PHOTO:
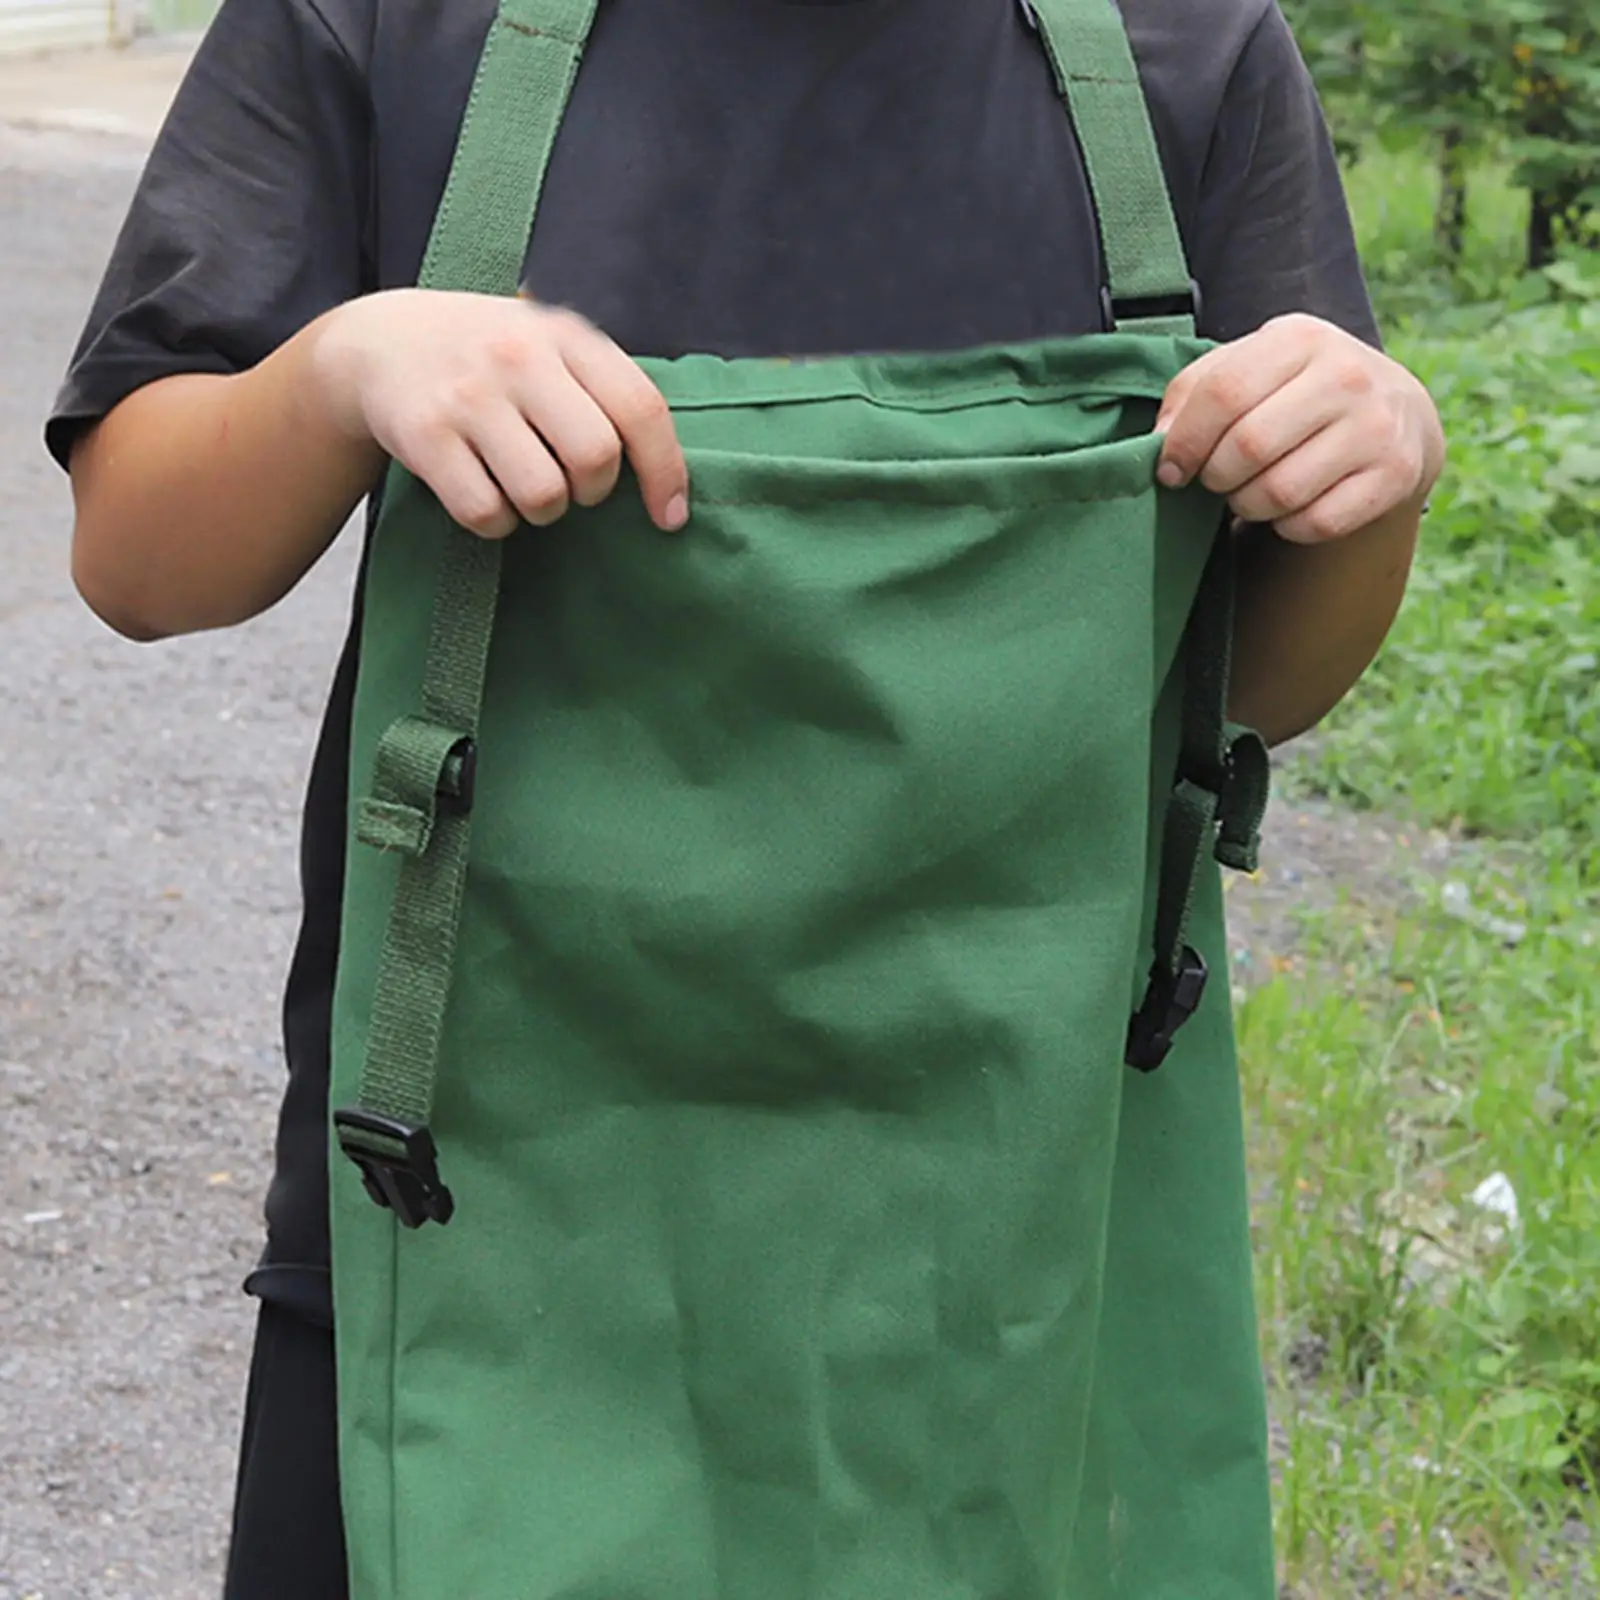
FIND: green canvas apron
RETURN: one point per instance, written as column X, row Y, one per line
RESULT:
column 739, row 949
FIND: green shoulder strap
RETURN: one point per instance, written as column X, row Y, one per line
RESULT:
column 421, row 795
column 1148, row 286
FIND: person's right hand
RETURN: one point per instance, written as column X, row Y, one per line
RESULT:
column 506, row 409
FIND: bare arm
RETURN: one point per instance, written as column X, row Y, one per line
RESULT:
column 202, row 500
column 1312, row 618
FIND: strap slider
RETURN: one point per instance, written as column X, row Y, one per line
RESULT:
column 1169, row 1002
column 399, row 1165
column 458, row 780
column 421, row 771
column 1115, row 309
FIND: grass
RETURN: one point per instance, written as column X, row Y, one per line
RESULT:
column 1485, row 711
column 1436, row 1365
column 1436, row 1374
column 1394, row 195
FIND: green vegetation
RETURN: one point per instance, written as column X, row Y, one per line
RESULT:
column 1465, row 79
column 1436, row 1364
column 179, row 16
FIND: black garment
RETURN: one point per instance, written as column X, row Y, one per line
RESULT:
column 744, row 177
column 288, row 1533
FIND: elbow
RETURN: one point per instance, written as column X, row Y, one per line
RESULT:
column 1286, row 710
column 109, row 595
column 129, row 624
column 1285, row 731
column 111, row 578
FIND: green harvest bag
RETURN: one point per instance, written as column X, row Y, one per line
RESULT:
column 740, row 940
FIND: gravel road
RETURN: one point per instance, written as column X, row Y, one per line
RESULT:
column 148, row 811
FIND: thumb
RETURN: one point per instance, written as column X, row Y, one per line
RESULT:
column 1172, row 402
column 1182, row 386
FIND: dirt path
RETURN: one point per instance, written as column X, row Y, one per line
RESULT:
column 1317, row 857
column 148, row 808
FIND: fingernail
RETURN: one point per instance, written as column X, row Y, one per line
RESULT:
column 1171, row 475
column 677, row 513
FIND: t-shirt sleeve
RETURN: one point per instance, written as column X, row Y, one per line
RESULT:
column 1273, row 233
column 250, row 219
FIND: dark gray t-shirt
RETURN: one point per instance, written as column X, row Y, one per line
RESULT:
column 743, row 177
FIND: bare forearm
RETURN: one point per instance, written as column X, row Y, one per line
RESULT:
column 1312, row 618
column 202, row 499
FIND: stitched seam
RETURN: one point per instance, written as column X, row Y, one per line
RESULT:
column 948, row 400
column 539, row 33
column 1010, row 505
column 314, row 7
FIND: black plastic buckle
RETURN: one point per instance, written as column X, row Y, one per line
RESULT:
column 1172, row 998
column 1118, row 309
column 408, row 1184
column 458, row 783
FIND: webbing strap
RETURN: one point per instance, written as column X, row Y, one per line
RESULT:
column 1150, row 287
column 421, row 797
column 1216, row 808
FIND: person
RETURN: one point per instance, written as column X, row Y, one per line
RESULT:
column 794, row 178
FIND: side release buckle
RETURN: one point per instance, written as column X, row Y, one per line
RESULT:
column 399, row 1165
column 1169, row 1002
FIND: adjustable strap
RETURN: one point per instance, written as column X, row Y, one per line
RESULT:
column 1148, row 284
column 1216, row 808
column 424, row 771
column 1220, row 795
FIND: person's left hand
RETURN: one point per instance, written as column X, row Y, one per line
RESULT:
column 1302, row 426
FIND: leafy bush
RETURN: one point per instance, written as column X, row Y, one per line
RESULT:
column 1519, row 79
column 1484, row 710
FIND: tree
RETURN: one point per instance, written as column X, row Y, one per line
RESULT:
column 1519, row 77
column 1552, row 62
